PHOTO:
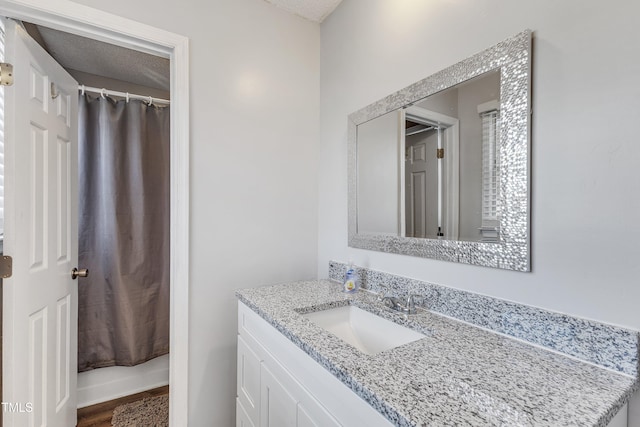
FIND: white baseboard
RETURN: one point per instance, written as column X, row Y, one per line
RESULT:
column 104, row 384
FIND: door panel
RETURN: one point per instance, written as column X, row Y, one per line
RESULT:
column 63, row 351
column 64, row 200
column 38, row 182
column 37, row 367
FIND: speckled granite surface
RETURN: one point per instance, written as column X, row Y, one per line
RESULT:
column 605, row 345
column 458, row 375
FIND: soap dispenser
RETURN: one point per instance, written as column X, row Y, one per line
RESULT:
column 351, row 279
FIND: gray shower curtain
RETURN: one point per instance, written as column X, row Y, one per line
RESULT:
column 123, row 310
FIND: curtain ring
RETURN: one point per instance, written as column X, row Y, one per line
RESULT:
column 103, row 93
column 82, row 92
column 150, row 101
column 127, row 97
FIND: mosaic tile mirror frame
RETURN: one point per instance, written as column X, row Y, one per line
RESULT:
column 509, row 245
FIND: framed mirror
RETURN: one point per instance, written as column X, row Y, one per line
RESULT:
column 440, row 169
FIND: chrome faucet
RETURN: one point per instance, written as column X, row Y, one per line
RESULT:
column 393, row 303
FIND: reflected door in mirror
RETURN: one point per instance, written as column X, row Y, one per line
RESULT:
column 421, row 184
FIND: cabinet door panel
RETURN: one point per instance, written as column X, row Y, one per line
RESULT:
column 242, row 418
column 248, row 380
column 304, row 419
column 278, row 408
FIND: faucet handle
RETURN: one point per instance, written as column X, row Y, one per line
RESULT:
column 412, row 300
column 392, row 303
column 384, row 292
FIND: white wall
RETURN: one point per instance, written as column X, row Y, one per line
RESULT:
column 254, row 144
column 586, row 105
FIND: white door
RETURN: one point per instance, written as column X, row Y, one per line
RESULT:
column 40, row 304
column 421, row 181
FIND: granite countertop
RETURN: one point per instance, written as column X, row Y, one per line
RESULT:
column 458, row 374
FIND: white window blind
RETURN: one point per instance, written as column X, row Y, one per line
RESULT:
column 489, row 168
column 1, row 141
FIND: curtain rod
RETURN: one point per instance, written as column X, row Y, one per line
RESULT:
column 126, row 95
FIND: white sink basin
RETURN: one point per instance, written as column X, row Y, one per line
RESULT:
column 365, row 331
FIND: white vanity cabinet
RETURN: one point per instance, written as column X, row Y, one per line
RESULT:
column 279, row 385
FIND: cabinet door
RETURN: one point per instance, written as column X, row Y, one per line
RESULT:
column 278, row 408
column 288, row 403
column 248, row 380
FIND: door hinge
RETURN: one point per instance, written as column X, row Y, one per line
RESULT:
column 6, row 74
column 440, row 153
column 6, row 267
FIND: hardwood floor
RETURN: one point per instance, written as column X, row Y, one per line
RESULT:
column 100, row 415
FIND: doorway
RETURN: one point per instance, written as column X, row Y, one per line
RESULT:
column 76, row 19
column 430, row 168
column 124, row 214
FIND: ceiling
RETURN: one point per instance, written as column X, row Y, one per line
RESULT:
column 114, row 62
column 313, row 10
column 102, row 59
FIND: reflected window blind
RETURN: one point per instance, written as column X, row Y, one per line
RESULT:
column 1, row 140
column 489, row 168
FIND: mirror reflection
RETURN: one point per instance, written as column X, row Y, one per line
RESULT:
column 430, row 170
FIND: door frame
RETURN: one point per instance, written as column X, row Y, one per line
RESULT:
column 95, row 24
column 451, row 202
